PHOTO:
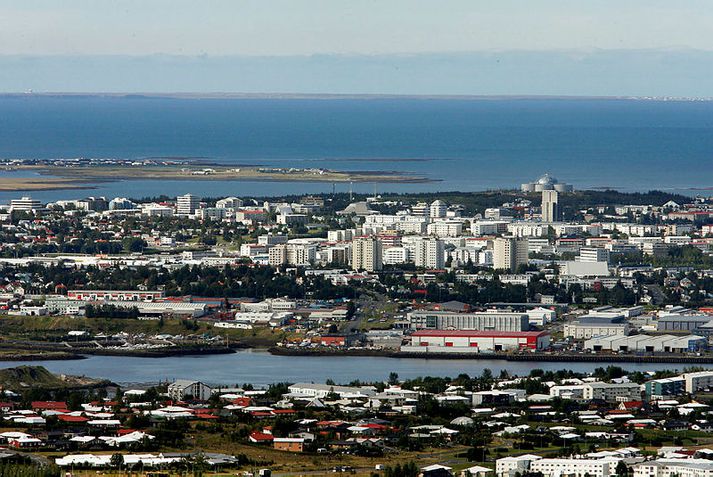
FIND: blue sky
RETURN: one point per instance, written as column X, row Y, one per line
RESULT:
column 305, row 27
column 496, row 47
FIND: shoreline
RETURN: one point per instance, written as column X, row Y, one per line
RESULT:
column 158, row 352
column 59, row 356
column 53, row 178
column 533, row 357
column 376, row 353
column 52, row 354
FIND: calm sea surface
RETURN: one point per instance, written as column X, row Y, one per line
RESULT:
column 262, row 368
column 466, row 145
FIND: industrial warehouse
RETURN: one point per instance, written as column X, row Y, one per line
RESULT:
column 490, row 320
column 647, row 343
column 465, row 341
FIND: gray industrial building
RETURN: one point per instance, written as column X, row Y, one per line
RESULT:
column 480, row 321
column 589, row 326
column 647, row 343
column 682, row 322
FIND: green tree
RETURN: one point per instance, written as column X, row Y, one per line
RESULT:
column 117, row 461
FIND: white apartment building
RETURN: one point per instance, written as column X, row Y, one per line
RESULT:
column 337, row 254
column 632, row 230
column 445, row 228
column 421, row 209
column 121, row 203
column 383, row 219
column 366, row 254
column 527, row 229
column 410, row 227
column 438, row 209
column 574, row 467
column 612, row 392
column 229, row 203
column 210, row 213
column 515, row 279
column 674, row 468
column 429, row 253
column 485, row 258
column 156, row 210
column 187, row 204
column 539, row 244
column 25, row 204
column 641, row 241
column 183, row 389
column 395, row 255
column 568, row 391
column 495, row 213
column 324, row 390
column 277, row 255
column 592, row 254
column 677, row 239
column 462, row 255
column 300, row 254
column 509, row 253
column 698, row 381
column 341, row 235
column 412, row 224
column 509, row 466
column 488, row 227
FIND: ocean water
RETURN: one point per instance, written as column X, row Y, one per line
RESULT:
column 466, row 145
column 261, row 368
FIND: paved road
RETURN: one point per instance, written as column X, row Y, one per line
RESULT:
column 316, row 473
column 367, row 305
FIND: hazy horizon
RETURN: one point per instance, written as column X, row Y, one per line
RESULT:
column 668, row 73
column 405, row 47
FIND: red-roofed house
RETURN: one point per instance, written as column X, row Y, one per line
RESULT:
column 48, row 405
column 631, row 405
column 258, row 437
column 72, row 419
column 242, row 401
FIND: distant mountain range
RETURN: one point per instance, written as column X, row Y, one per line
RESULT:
column 680, row 73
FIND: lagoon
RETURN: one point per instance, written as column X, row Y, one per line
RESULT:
column 261, row 368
